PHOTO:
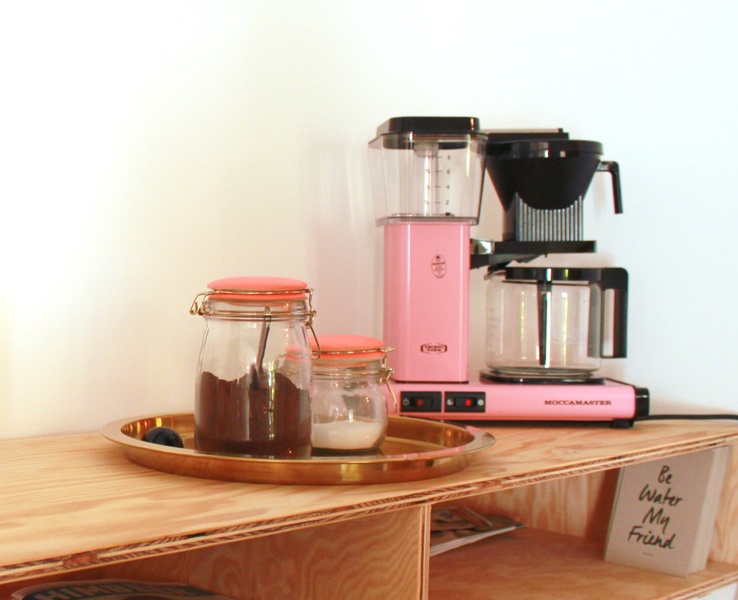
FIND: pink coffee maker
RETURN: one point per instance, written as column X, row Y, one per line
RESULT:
column 429, row 173
column 432, row 171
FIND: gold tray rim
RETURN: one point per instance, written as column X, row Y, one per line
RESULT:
column 453, row 446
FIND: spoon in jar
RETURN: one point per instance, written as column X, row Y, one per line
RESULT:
column 257, row 367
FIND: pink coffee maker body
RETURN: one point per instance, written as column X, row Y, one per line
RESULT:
column 431, row 171
column 426, row 311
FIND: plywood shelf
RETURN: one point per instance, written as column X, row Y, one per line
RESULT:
column 531, row 563
column 73, row 506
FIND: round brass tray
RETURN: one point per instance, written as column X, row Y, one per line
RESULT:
column 413, row 449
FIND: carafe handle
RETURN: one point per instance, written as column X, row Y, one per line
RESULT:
column 616, row 279
column 614, row 170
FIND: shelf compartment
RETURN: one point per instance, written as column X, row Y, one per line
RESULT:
column 532, row 563
column 330, row 561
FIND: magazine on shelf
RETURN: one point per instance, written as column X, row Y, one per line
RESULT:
column 456, row 526
column 114, row 589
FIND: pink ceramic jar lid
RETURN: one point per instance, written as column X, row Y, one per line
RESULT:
column 349, row 347
column 248, row 288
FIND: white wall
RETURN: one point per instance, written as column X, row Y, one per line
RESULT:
column 148, row 147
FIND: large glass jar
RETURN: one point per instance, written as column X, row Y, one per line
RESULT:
column 252, row 394
column 350, row 394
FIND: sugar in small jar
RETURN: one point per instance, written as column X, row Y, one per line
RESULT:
column 351, row 391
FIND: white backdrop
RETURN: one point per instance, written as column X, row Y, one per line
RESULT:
column 150, row 147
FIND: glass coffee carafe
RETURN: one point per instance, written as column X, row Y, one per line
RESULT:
column 554, row 324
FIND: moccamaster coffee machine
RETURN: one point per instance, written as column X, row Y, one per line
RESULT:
column 547, row 328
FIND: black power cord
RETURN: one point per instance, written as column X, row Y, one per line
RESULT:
column 696, row 417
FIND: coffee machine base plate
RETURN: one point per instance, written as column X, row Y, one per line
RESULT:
column 495, row 377
column 609, row 402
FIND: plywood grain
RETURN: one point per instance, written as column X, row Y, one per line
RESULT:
column 341, row 560
column 74, row 502
column 528, row 564
column 725, row 537
column 578, row 505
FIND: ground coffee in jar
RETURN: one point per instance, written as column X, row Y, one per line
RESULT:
column 252, row 395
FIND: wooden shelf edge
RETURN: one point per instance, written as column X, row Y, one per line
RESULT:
column 698, row 591
column 215, row 537
column 584, row 467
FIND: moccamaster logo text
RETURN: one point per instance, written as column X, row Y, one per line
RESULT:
column 577, row 402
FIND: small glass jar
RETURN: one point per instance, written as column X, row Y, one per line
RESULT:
column 252, row 394
column 350, row 394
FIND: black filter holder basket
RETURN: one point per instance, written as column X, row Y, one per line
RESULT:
column 546, row 175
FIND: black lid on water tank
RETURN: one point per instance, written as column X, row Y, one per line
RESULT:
column 435, row 125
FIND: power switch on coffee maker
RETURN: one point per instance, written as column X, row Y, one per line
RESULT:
column 465, row 402
column 421, row 401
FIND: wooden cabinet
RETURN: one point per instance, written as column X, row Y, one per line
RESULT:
column 74, row 507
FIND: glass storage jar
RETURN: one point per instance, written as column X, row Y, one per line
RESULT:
column 351, row 391
column 250, row 398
